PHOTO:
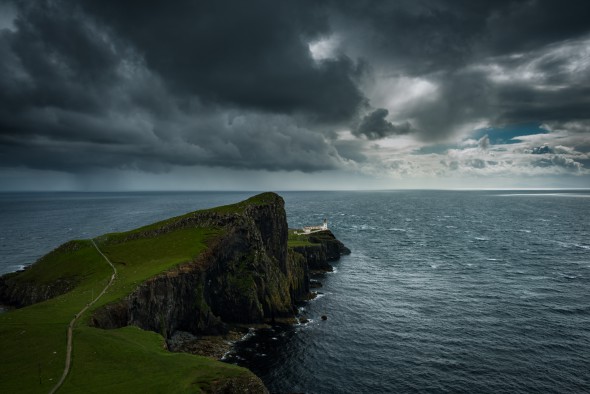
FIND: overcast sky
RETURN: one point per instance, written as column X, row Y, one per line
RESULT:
column 278, row 95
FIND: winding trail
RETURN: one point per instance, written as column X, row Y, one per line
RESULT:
column 76, row 317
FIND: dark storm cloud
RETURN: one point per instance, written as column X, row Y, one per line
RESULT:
column 456, row 44
column 151, row 85
column 433, row 35
column 522, row 26
column 250, row 54
column 375, row 126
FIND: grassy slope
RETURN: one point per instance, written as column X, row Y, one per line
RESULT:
column 298, row 239
column 32, row 339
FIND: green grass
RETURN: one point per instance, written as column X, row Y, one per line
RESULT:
column 33, row 339
column 259, row 199
column 140, row 259
column 298, row 240
column 237, row 208
column 130, row 360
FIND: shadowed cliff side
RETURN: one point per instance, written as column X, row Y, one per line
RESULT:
column 249, row 271
column 197, row 273
column 245, row 276
column 318, row 249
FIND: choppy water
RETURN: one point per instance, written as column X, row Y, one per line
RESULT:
column 444, row 291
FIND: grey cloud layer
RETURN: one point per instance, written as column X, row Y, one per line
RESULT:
column 155, row 84
column 375, row 126
column 494, row 62
column 103, row 85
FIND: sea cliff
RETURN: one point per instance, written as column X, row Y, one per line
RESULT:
column 200, row 273
column 247, row 275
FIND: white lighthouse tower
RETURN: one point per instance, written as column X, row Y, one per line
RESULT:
column 314, row 229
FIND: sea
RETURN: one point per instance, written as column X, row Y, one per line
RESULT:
column 444, row 292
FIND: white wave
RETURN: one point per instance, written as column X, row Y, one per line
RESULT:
column 569, row 276
column 575, row 195
column 300, row 324
column 572, row 245
column 251, row 332
column 317, row 297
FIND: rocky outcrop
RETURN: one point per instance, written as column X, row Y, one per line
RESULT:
column 19, row 289
column 323, row 249
column 333, row 247
column 248, row 275
column 241, row 384
column 19, row 294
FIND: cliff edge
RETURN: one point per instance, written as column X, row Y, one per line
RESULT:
column 199, row 273
column 245, row 276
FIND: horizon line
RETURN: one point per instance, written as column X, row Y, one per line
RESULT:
column 296, row 190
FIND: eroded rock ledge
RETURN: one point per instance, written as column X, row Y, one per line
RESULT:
column 323, row 249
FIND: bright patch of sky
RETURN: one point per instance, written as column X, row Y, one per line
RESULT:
column 506, row 134
column 7, row 16
column 325, row 48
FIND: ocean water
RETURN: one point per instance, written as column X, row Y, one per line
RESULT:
column 445, row 291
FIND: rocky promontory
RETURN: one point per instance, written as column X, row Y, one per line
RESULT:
column 249, row 268
column 249, row 274
column 318, row 249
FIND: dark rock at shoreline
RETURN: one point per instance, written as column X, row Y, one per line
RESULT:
column 315, row 284
column 214, row 346
column 333, row 247
column 250, row 384
column 324, row 249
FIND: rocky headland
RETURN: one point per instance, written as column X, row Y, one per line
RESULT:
column 253, row 271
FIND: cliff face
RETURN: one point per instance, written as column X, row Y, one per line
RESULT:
column 323, row 248
column 20, row 294
column 246, row 276
column 230, row 264
column 19, row 289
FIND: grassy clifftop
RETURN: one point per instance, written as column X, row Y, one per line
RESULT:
column 128, row 359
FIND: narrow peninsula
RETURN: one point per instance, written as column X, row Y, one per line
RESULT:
column 126, row 295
